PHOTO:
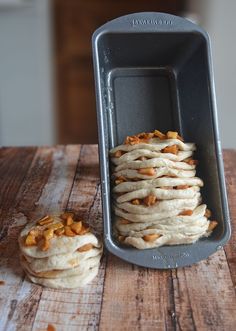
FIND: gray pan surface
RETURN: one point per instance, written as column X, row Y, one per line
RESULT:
column 154, row 71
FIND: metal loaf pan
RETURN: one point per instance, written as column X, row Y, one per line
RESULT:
column 154, row 71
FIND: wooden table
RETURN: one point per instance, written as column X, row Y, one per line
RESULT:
column 36, row 181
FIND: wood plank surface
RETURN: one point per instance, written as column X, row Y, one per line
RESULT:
column 201, row 297
column 45, row 189
column 14, row 164
column 230, row 173
column 137, row 298
column 122, row 296
column 204, row 295
column 78, row 309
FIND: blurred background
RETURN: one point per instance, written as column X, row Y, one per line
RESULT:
column 46, row 75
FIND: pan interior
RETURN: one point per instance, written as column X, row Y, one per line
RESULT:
column 161, row 81
column 143, row 97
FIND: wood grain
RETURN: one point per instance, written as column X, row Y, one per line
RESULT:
column 136, row 298
column 46, row 188
column 201, row 297
column 14, row 164
column 230, row 173
column 78, row 309
column 204, row 295
column 123, row 296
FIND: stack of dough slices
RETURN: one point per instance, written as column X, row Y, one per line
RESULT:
column 59, row 252
column 156, row 194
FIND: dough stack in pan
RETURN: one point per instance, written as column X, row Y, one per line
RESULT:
column 156, row 194
column 58, row 251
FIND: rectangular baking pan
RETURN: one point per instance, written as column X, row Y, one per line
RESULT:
column 154, row 71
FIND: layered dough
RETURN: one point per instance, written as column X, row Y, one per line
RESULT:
column 159, row 193
column 156, row 194
column 137, row 153
column 60, row 252
column 62, row 261
column 157, row 183
column 70, row 282
column 156, row 145
column 156, row 172
column 161, row 206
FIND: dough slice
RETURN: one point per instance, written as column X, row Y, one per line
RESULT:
column 198, row 213
column 155, row 144
column 61, row 261
column 185, row 227
column 159, row 193
column 66, row 282
column 59, row 245
column 162, row 171
column 54, row 274
column 132, row 217
column 137, row 153
column 161, row 206
column 158, row 182
column 188, row 229
column 170, row 239
column 154, row 163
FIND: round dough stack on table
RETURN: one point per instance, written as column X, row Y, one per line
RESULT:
column 156, row 196
column 59, row 252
